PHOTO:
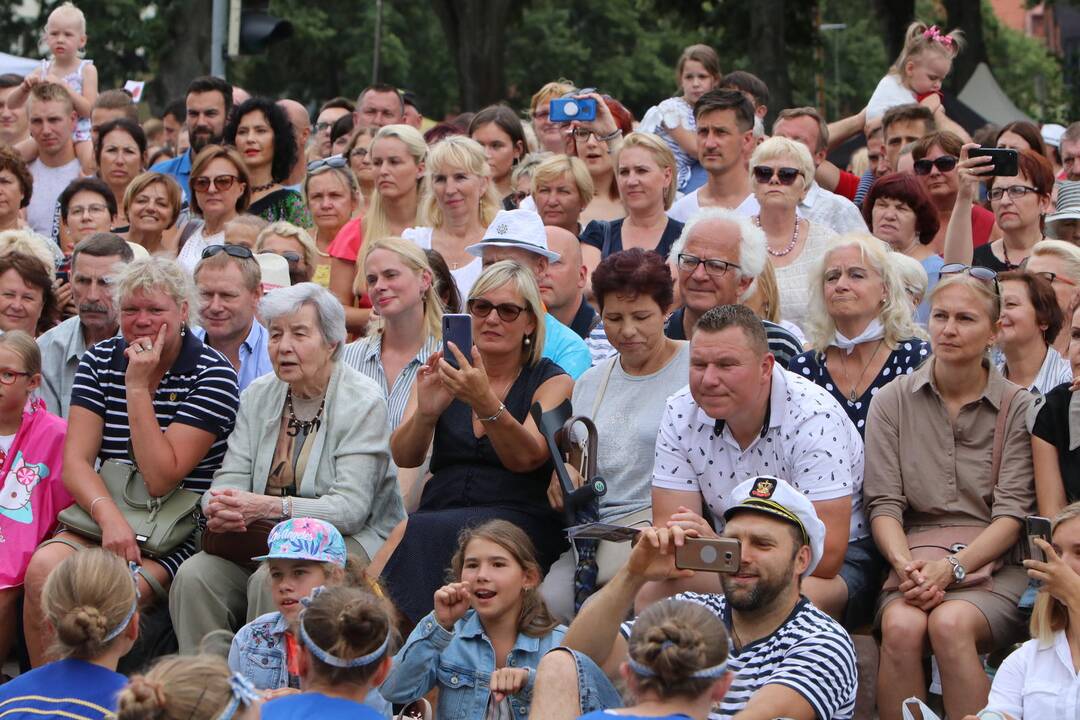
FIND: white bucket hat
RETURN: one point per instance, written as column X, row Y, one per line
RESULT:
column 521, row 229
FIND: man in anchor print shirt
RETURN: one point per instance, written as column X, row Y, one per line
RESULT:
column 743, row 415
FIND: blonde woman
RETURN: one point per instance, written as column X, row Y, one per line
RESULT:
column 458, row 205
column 292, row 243
column 782, row 172
column 552, row 137
column 397, row 159
column 860, row 327
column 561, row 189
column 645, row 174
column 188, row 688
column 1058, row 263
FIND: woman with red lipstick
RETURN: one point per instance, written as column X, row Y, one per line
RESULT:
column 220, row 190
column 120, row 152
column 260, row 131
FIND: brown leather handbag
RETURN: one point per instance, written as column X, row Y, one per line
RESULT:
column 240, row 547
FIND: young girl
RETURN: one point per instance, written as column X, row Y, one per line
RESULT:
column 304, row 554
column 678, row 664
column 918, row 73
column 31, row 462
column 489, row 629
column 91, row 603
column 345, row 650
column 697, row 73
column 65, row 34
column 188, row 688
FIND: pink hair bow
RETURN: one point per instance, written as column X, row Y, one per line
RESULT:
column 934, row 33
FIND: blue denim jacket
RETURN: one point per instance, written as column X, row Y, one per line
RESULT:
column 258, row 653
column 461, row 663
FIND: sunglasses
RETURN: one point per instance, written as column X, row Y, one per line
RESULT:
column 508, row 312
column 786, row 175
column 237, row 251
column 291, row 257
column 221, row 183
column 977, row 272
column 1050, row 277
column 944, row 164
column 334, row 161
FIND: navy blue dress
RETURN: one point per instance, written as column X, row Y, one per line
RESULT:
column 469, row 486
column 606, row 236
column 908, row 355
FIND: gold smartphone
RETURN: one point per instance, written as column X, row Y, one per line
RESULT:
column 718, row 555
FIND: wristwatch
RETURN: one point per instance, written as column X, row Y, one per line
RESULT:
column 958, row 571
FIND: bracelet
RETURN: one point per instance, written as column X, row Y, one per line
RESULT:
column 613, row 136
column 493, row 418
column 94, row 502
column 285, row 507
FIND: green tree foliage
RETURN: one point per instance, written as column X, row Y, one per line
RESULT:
column 857, row 52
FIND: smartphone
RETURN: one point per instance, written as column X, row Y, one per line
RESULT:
column 718, row 555
column 62, row 276
column 1006, row 161
column 567, row 109
column 457, row 329
column 1037, row 527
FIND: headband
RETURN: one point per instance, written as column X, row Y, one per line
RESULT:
column 333, row 660
column 134, row 570
column 243, row 692
column 933, row 33
column 709, row 673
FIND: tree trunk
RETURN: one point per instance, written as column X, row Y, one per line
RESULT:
column 187, row 56
column 476, row 35
column 966, row 15
column 768, row 54
column 894, row 16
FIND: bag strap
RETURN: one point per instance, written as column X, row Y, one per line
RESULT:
column 603, row 386
column 999, row 431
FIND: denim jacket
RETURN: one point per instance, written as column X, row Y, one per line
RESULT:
column 258, row 653
column 461, row 663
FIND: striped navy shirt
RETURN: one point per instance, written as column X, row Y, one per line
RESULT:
column 810, row 653
column 198, row 390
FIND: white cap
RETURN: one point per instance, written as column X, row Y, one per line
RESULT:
column 773, row 496
column 521, row 229
column 275, row 271
column 1051, row 134
column 137, row 250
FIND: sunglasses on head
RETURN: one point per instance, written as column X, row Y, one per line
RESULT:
column 786, row 175
column 334, row 161
column 481, row 308
column 979, row 273
column 221, row 182
column 944, row 164
column 237, row 251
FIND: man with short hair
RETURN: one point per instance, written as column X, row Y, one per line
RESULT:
column 229, row 283
column 743, row 415
column 788, row 658
column 519, row 236
column 93, row 262
column 562, row 288
column 207, row 106
column 903, row 125
column 52, row 120
column 331, row 111
column 112, row 105
column 14, row 122
column 173, row 121
column 379, row 105
column 718, row 258
column 725, row 141
column 805, row 125
column 301, row 126
column 413, row 115
column 1069, row 148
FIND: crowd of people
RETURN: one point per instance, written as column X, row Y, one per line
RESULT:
column 247, row 469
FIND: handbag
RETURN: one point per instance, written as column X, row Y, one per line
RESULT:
column 240, row 547
column 161, row 524
column 936, row 543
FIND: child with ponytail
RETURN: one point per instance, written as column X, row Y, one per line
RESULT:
column 490, row 627
column 347, row 643
column 91, row 604
column 188, row 688
column 678, row 664
column 917, row 75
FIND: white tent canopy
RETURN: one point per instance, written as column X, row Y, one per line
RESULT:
column 17, row 65
column 983, row 95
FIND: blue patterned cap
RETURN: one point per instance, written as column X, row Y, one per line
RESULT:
column 305, row 539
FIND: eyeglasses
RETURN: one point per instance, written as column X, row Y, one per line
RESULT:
column 1050, row 277
column 322, row 126
column 221, row 183
column 944, row 164
column 1015, row 192
column 713, row 266
column 334, row 161
column 582, row 134
column 9, row 376
column 786, row 175
column 358, row 152
column 979, row 273
column 237, row 251
column 80, row 210
column 481, row 308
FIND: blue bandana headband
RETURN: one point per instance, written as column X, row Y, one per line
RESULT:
column 134, row 570
column 709, row 673
column 333, row 660
column 243, row 692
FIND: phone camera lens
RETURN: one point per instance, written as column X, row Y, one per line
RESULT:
column 708, row 554
column 570, row 109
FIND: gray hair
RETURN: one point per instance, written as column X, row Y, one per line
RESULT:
column 752, row 242
column 289, row 300
column 155, row 273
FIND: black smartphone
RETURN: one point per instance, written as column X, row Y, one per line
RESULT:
column 457, row 329
column 718, row 555
column 1037, row 527
column 1006, row 160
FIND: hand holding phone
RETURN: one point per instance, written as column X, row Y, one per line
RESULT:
column 1006, row 161
column 457, row 329
column 572, row 108
column 1037, row 526
column 718, row 555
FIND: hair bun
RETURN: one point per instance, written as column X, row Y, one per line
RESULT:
column 142, row 699
column 85, row 624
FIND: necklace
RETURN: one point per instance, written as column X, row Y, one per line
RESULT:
column 852, row 396
column 791, row 245
column 1005, row 252
column 295, row 425
column 260, row 188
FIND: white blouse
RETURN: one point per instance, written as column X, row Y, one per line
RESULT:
column 1037, row 682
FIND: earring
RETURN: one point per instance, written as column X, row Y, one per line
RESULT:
column 183, row 329
column 528, row 341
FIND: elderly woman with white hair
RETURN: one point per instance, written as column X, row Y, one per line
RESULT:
column 154, row 396
column 782, row 172
column 311, row 440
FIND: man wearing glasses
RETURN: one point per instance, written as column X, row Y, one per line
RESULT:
column 718, row 258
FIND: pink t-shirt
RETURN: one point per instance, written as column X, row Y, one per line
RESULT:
column 346, row 246
column 33, row 491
